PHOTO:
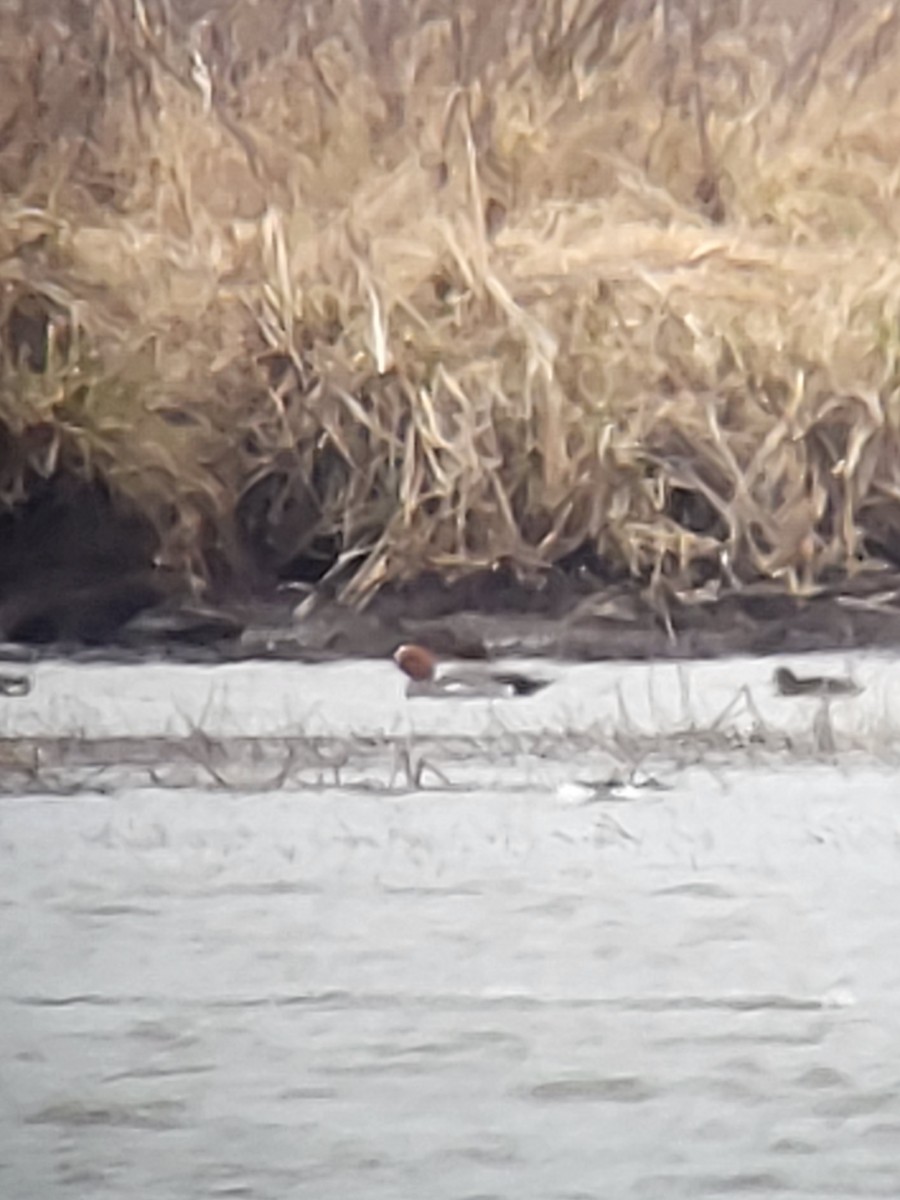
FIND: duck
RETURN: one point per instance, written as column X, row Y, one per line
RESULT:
column 428, row 677
column 789, row 684
column 14, row 685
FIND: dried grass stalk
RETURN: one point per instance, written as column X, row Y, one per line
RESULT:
column 441, row 284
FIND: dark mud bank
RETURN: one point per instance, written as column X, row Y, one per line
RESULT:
column 80, row 576
column 136, row 614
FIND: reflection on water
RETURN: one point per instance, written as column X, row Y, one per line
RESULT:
column 474, row 992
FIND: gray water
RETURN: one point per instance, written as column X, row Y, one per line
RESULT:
column 463, row 991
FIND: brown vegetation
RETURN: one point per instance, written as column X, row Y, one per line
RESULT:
column 445, row 284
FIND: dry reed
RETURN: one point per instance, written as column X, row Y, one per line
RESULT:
column 443, row 284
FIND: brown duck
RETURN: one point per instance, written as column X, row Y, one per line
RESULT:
column 789, row 684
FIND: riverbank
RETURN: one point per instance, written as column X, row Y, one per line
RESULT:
column 571, row 625
column 594, row 302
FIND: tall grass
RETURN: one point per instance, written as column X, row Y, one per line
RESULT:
column 442, row 284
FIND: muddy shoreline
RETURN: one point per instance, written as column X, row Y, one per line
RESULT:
column 471, row 621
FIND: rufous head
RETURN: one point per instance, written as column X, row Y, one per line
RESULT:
column 416, row 662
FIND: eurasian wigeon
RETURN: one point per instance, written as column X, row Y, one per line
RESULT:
column 428, row 677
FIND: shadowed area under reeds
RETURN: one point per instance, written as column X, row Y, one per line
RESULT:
column 361, row 291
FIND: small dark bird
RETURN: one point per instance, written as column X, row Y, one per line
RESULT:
column 14, row 685
column 789, row 684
